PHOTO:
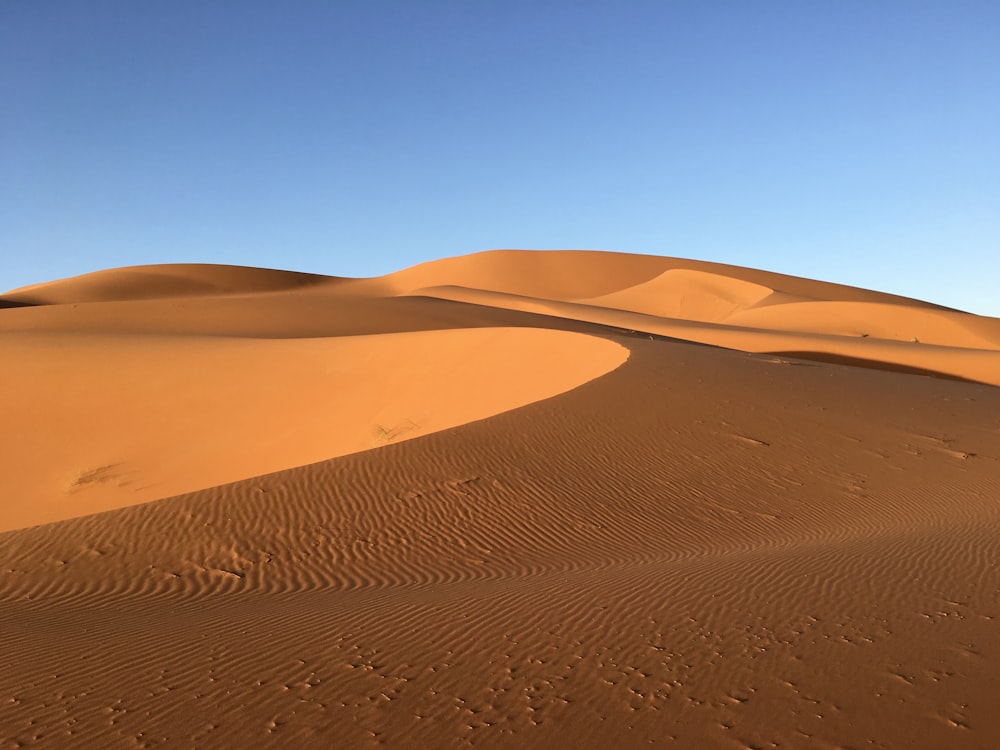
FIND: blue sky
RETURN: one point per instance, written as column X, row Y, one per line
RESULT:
column 852, row 141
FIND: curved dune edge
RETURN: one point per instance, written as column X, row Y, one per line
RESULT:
column 980, row 365
column 153, row 417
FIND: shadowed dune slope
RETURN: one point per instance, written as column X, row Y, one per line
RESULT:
column 511, row 500
column 700, row 549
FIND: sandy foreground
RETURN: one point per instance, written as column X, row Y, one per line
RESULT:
column 512, row 499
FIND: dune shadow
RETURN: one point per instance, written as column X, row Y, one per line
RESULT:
column 872, row 364
column 8, row 303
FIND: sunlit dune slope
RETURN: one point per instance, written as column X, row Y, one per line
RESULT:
column 119, row 420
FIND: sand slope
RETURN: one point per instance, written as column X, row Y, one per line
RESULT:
column 128, row 419
column 605, row 534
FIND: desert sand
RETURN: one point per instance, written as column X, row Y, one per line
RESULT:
column 511, row 499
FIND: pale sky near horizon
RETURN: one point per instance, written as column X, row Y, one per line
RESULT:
column 856, row 142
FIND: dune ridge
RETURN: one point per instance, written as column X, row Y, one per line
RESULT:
column 737, row 308
column 161, row 282
column 605, row 508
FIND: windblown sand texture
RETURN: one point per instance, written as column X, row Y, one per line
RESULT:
column 513, row 499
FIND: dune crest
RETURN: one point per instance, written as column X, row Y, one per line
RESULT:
column 159, row 282
column 745, row 309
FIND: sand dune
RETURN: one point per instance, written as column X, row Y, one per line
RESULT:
column 512, row 499
column 159, row 282
column 141, row 418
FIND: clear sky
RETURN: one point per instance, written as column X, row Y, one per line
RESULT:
column 853, row 141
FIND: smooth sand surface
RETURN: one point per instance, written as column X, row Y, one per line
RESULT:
column 128, row 419
column 513, row 499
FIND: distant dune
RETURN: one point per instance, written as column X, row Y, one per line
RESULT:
column 511, row 499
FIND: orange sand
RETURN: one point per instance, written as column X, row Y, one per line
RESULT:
column 513, row 499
